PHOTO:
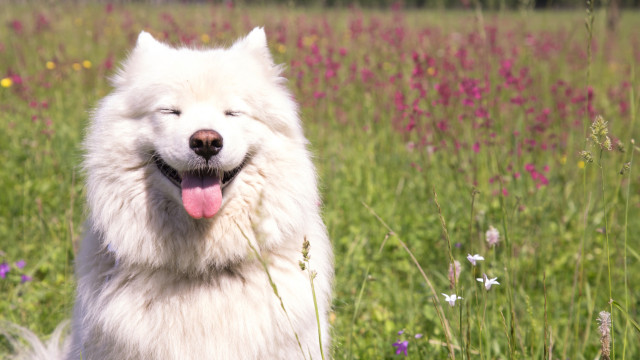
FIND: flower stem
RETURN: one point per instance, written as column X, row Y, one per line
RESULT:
column 606, row 234
column 626, row 277
column 315, row 305
column 452, row 261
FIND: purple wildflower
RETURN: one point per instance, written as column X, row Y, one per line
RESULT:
column 24, row 278
column 401, row 347
column 4, row 269
column 20, row 264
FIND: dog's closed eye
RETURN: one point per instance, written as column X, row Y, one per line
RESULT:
column 169, row 111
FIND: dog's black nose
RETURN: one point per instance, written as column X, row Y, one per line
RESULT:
column 206, row 143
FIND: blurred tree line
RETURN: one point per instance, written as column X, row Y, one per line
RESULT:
column 450, row 4
column 485, row 4
column 612, row 5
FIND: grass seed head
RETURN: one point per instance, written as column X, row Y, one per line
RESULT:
column 586, row 156
column 604, row 319
column 600, row 133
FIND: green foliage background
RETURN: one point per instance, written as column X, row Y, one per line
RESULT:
column 552, row 262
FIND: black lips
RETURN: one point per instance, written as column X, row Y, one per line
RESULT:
column 173, row 175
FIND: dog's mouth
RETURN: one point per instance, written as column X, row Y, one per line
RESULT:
column 173, row 175
column 201, row 189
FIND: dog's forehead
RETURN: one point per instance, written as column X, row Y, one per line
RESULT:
column 185, row 73
column 219, row 66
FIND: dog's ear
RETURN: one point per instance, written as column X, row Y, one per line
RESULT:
column 146, row 49
column 256, row 44
column 147, row 42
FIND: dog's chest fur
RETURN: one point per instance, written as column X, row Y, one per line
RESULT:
column 161, row 315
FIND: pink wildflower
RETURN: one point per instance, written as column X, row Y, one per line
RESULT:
column 458, row 269
column 493, row 236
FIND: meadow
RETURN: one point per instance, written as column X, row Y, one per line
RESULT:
column 437, row 135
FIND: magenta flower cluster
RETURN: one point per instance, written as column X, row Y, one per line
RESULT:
column 429, row 84
column 5, row 270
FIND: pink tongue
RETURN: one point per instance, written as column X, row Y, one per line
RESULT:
column 201, row 195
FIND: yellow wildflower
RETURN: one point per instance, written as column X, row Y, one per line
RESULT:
column 309, row 40
column 6, row 82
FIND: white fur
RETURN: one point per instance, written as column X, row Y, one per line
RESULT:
column 28, row 346
column 154, row 283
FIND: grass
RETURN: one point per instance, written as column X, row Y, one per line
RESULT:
column 399, row 106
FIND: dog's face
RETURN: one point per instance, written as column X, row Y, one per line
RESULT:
column 191, row 145
column 209, row 112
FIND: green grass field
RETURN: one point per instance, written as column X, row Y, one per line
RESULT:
column 428, row 129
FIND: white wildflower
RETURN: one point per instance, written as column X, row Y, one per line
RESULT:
column 473, row 258
column 451, row 299
column 488, row 282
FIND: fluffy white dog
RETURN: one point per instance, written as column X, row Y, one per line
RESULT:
column 198, row 178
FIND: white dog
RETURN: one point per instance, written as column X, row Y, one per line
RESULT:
column 201, row 192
